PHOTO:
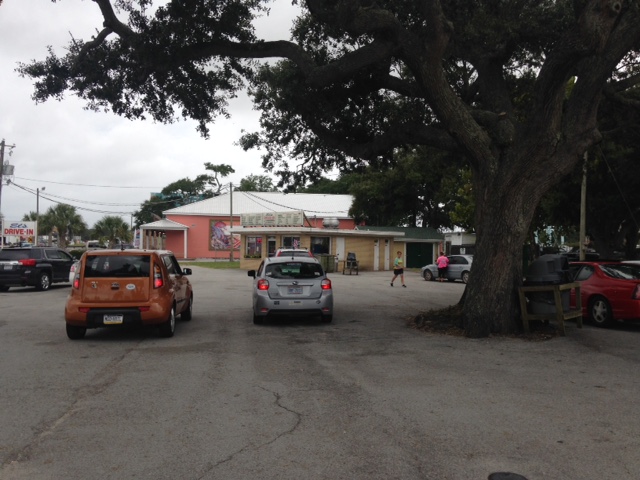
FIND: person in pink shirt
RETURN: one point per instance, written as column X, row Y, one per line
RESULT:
column 443, row 263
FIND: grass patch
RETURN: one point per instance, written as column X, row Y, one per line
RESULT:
column 214, row 265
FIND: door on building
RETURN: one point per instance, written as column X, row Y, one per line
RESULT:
column 340, row 246
column 271, row 246
column 419, row 254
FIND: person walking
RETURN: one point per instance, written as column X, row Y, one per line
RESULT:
column 398, row 269
column 443, row 263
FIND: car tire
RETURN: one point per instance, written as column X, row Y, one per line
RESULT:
column 327, row 318
column 428, row 276
column 75, row 333
column 4, row 288
column 44, row 282
column 600, row 312
column 465, row 277
column 168, row 328
column 257, row 320
column 188, row 313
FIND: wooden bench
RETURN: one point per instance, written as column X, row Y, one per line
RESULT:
column 349, row 266
column 559, row 315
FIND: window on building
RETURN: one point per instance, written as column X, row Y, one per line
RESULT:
column 320, row 245
column 291, row 242
column 254, row 246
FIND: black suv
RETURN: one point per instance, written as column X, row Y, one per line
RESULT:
column 33, row 266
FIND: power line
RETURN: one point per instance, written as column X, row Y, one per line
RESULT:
column 47, row 197
column 87, row 185
column 50, row 196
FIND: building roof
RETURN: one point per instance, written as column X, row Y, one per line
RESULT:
column 164, row 224
column 313, row 204
column 425, row 234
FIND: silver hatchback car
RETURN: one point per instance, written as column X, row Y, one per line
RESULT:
column 291, row 286
column 459, row 269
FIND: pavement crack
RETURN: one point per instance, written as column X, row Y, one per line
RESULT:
column 289, row 431
column 47, row 429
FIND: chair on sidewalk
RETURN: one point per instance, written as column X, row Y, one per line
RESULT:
column 350, row 264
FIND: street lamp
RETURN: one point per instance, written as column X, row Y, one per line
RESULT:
column 38, row 210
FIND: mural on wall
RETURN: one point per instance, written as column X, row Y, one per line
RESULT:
column 219, row 238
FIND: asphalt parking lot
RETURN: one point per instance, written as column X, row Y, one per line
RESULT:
column 363, row 397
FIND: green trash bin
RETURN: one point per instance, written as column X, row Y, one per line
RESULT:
column 327, row 261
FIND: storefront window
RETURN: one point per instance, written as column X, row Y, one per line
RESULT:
column 254, row 247
column 320, row 245
column 291, row 242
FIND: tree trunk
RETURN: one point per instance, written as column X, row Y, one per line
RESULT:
column 491, row 302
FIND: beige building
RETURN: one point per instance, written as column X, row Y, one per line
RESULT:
column 374, row 250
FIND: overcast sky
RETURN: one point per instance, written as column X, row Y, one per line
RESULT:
column 100, row 163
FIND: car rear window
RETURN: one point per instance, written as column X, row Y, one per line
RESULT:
column 624, row 271
column 117, row 266
column 294, row 270
column 9, row 254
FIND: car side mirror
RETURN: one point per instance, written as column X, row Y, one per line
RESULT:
column 251, row 273
column 187, row 271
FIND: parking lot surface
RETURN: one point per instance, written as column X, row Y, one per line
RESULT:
column 364, row 397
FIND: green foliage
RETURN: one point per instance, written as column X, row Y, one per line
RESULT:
column 62, row 220
column 113, row 228
column 256, row 183
column 183, row 192
column 218, row 172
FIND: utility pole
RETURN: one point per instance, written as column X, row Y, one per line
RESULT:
column 2, row 147
column 1, row 179
column 583, row 209
column 230, row 222
column 38, row 190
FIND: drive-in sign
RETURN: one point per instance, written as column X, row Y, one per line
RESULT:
column 19, row 229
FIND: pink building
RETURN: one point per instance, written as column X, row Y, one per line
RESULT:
column 203, row 229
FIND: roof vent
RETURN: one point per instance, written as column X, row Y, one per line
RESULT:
column 331, row 222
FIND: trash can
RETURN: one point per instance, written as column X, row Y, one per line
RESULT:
column 550, row 269
column 327, row 261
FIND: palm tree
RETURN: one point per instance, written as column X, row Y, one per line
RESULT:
column 63, row 219
column 112, row 228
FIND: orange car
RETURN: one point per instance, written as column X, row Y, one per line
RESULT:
column 128, row 287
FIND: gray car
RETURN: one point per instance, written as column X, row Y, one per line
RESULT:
column 291, row 286
column 458, row 269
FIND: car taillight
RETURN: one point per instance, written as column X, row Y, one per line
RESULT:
column 636, row 293
column 326, row 284
column 28, row 262
column 76, row 282
column 263, row 284
column 158, row 281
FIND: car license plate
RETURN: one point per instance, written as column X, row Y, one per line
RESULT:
column 112, row 319
column 295, row 290
column 8, row 267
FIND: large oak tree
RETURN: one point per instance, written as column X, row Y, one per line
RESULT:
column 512, row 85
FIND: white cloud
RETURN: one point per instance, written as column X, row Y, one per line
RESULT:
column 68, row 150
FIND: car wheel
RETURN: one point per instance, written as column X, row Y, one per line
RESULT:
column 44, row 282
column 428, row 276
column 75, row 333
column 465, row 277
column 257, row 320
column 327, row 318
column 187, row 314
column 600, row 312
column 4, row 288
column 168, row 328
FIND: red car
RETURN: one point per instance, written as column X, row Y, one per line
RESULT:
column 609, row 290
